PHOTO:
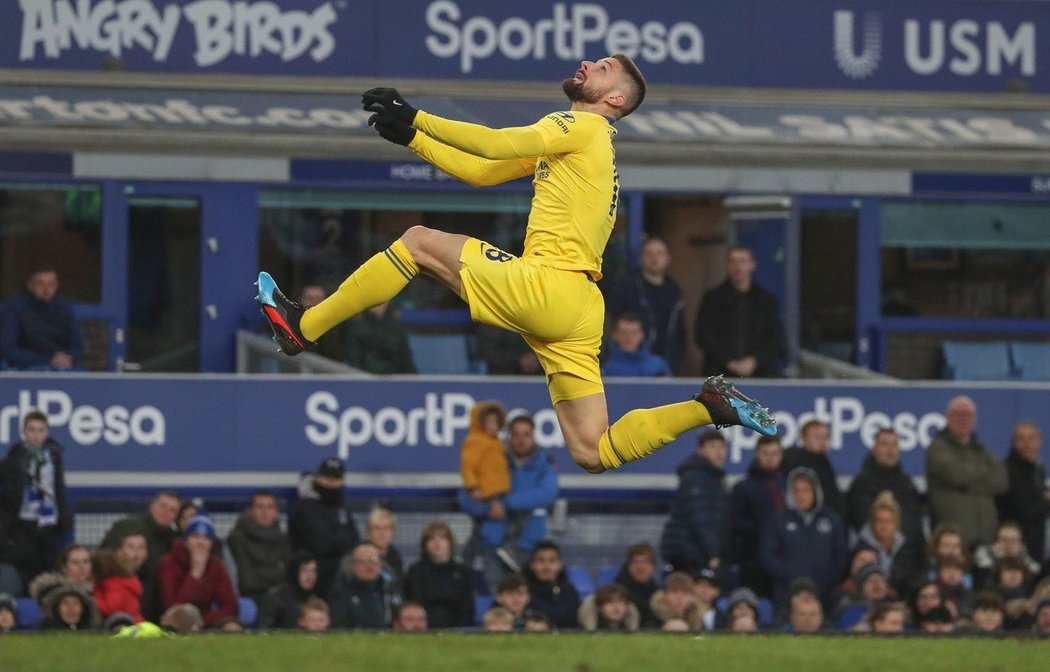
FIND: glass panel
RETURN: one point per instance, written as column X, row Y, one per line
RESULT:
column 55, row 224
column 828, row 310
column 982, row 260
column 164, row 269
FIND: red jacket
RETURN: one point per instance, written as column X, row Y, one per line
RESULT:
column 119, row 593
column 212, row 593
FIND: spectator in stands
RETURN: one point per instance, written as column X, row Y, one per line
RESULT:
column 804, row 540
column 361, row 597
column 506, row 353
column 1027, row 499
column 899, row 557
column 379, row 531
column 280, row 606
column 513, row 593
column 8, row 613
column 805, row 613
column 187, row 510
column 74, row 563
column 485, row 472
column 812, row 453
column 872, row 589
column 925, row 596
column 322, row 524
column 549, row 588
column 744, row 621
column 937, row 621
column 707, row 589
column 609, row 610
column 957, row 596
column 654, row 297
column 259, row 546
column 536, row 621
column 636, row 575
column 314, row 615
column 988, row 613
column 65, row 606
column 677, row 602
column 182, row 619
column 752, row 503
column 191, row 574
column 411, row 617
column 741, row 602
column 1011, row 580
column 887, row 618
column 629, row 354
column 377, row 342
column 694, row 535
column 946, row 539
column 442, row 585
column 116, row 588
column 862, row 556
column 157, row 526
column 882, row 471
column 1008, row 544
column 39, row 330
column 498, row 619
column 33, row 498
column 1042, row 618
column 963, row 477
column 330, row 345
column 738, row 324
column 533, row 490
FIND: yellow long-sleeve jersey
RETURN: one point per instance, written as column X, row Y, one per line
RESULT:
column 573, row 163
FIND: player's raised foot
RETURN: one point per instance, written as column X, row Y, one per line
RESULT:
column 283, row 314
column 729, row 406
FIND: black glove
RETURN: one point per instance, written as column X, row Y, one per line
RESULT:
column 388, row 100
column 391, row 129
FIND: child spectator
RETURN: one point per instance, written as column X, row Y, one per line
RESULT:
column 537, row 621
column 513, row 593
column 678, row 601
column 117, row 589
column 988, row 613
column 742, row 602
column 609, row 610
column 442, row 585
column 484, row 467
column 182, row 619
column 951, row 572
column 926, row 596
column 707, row 591
column 74, row 562
column 411, row 617
column 887, row 618
column 498, row 619
column 937, row 621
column 1008, row 544
column 1011, row 581
column 8, row 613
column 637, row 577
column 280, row 606
column 549, row 588
column 65, row 605
column 313, row 615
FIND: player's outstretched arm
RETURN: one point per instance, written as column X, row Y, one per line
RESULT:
column 473, row 170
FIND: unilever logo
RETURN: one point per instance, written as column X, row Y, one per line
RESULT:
column 858, row 66
column 221, row 28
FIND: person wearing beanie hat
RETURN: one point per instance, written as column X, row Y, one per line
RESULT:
column 191, row 574
column 321, row 523
column 8, row 613
column 742, row 602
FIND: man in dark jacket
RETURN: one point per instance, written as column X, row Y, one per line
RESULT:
column 361, row 597
column 738, row 324
column 752, row 503
column 322, row 525
column 1027, row 501
column 39, row 331
column 655, row 297
column 806, row 539
column 882, row 471
column 694, row 534
column 157, row 525
column 550, row 591
column 260, row 548
column 812, row 453
column 637, row 577
column 378, row 343
column 34, row 505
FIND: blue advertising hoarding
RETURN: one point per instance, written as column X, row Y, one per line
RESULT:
column 206, row 424
column 953, row 45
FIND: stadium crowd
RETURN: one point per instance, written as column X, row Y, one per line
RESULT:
column 783, row 548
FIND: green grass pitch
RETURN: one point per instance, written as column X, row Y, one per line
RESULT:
column 456, row 652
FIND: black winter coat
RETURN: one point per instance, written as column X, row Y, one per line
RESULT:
column 558, row 600
column 732, row 324
column 696, row 528
column 1024, row 501
column 751, row 505
column 14, row 479
column 327, row 532
column 444, row 590
column 872, row 479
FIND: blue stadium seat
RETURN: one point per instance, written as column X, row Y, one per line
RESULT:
column 443, row 354
column 248, row 612
column 28, row 614
column 482, row 603
column 977, row 361
column 851, row 616
column 607, row 574
column 580, row 577
column 1032, row 360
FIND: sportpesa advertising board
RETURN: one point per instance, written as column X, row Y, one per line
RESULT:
column 195, row 424
column 952, row 45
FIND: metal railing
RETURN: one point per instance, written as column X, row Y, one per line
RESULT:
column 257, row 353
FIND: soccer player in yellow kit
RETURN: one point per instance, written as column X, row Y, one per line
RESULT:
column 548, row 295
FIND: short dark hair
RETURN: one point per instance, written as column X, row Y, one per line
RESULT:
column 641, row 549
column 545, row 545
column 884, row 430
column 635, row 86
column 407, row 604
column 766, row 440
column 511, row 582
column 627, row 316
column 34, row 415
column 261, row 493
column 811, row 423
column 709, row 436
column 527, row 419
column 988, row 600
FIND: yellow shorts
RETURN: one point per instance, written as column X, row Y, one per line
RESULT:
column 559, row 313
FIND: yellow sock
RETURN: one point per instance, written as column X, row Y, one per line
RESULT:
column 643, row 431
column 374, row 282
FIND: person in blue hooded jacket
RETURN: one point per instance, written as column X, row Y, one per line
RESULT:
column 519, row 522
column 629, row 354
column 806, row 539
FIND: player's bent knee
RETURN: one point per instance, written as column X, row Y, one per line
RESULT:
column 414, row 239
column 587, row 458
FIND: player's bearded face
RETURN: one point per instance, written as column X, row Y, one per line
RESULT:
column 580, row 92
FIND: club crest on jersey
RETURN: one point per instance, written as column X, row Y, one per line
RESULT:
column 494, row 254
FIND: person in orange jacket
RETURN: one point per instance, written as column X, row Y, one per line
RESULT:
column 483, row 465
